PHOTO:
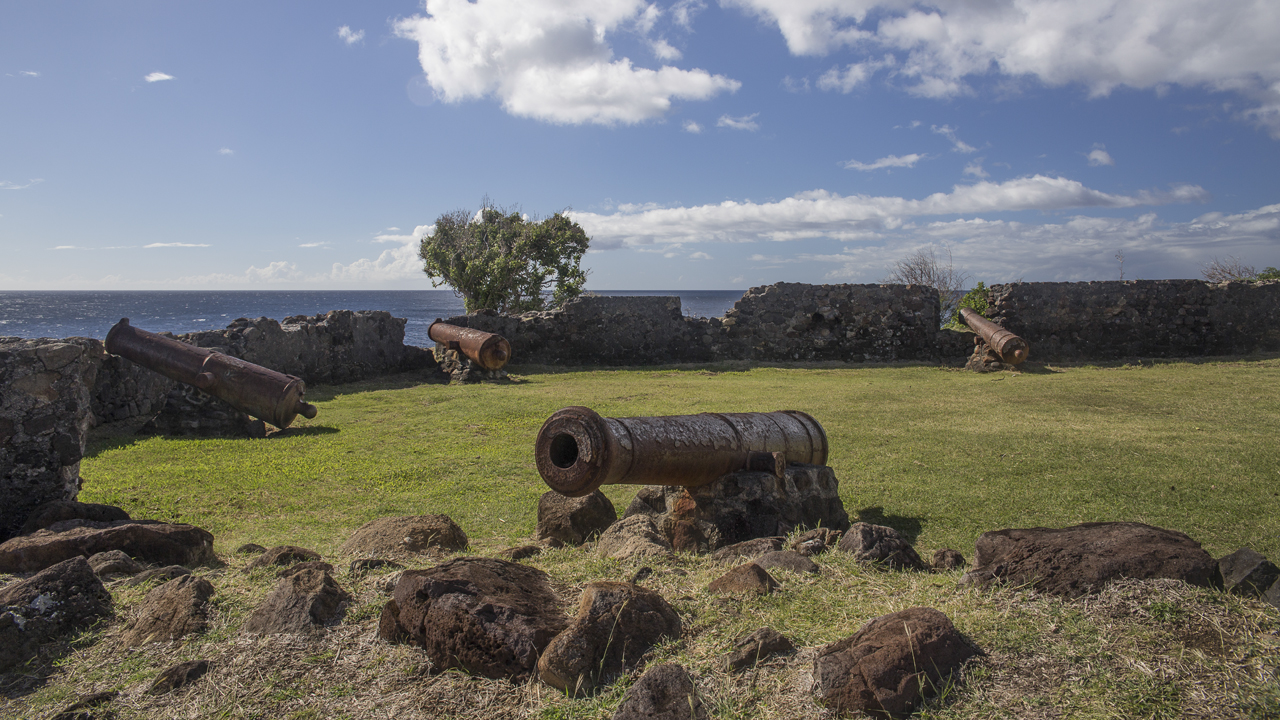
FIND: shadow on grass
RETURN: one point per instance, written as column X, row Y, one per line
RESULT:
column 910, row 527
column 303, row 431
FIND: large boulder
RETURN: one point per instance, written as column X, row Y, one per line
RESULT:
column 633, row 537
column 1081, row 559
column 1246, row 572
column 880, row 545
column 486, row 616
column 746, row 579
column 303, row 602
column 664, row 692
column 177, row 608
column 410, row 535
column 45, row 415
column 889, row 665
column 58, row 511
column 144, row 540
column 574, row 521
column 283, row 555
column 616, row 624
column 745, row 505
column 59, row 600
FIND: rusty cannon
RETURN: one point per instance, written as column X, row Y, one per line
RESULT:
column 487, row 350
column 1011, row 348
column 261, row 392
column 577, row 450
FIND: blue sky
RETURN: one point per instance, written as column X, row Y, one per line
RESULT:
column 701, row 144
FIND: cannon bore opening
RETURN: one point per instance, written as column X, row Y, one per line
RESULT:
column 563, row 451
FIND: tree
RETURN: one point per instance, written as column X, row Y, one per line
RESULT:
column 924, row 267
column 1227, row 270
column 501, row 260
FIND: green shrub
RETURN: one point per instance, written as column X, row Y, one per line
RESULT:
column 977, row 300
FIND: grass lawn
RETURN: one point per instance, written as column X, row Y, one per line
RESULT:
column 940, row 454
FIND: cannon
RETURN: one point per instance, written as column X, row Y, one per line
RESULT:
column 1011, row 348
column 577, row 450
column 487, row 350
column 261, row 392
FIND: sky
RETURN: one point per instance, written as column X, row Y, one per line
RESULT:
column 702, row 144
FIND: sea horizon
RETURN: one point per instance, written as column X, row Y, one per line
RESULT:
column 91, row 313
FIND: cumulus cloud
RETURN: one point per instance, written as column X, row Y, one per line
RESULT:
column 174, row 244
column 157, row 77
column 349, row 36
column 852, row 75
column 1219, row 44
column 746, row 122
column 974, row 169
column 1099, row 156
column 550, row 60
column 819, row 213
column 889, row 161
column 691, row 126
column 663, row 50
column 397, row 263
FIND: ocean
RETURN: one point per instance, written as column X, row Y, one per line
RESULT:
column 55, row 314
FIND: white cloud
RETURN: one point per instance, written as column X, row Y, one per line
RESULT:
column 819, row 213
column 889, row 161
column 663, row 50
column 683, row 12
column 974, row 169
column 350, row 37
column 67, row 247
column 691, row 126
column 746, row 122
column 957, row 144
column 314, row 244
column 226, row 151
column 29, row 73
column 157, row 77
column 1099, row 156
column 174, row 244
column 549, row 60
column 700, row 256
column 4, row 185
column 853, row 75
column 397, row 263
column 1099, row 44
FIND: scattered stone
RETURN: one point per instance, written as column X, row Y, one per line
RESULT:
column 985, row 359
column 641, row 575
column 50, row 604
column 114, row 562
column 664, row 692
column 746, row 578
column 616, row 624
column 816, row 541
column 86, row 708
column 1081, row 559
column 164, row 574
column 745, row 505
column 250, row 549
column 574, row 521
column 520, row 552
column 880, row 545
column 686, row 536
column 178, row 676
column 320, row 565
column 364, row 565
column 890, row 664
column 486, row 616
column 143, row 540
column 406, row 534
column 633, row 537
column 749, row 549
column 787, row 560
column 763, row 643
column 63, row 510
column 946, row 560
column 1273, row 595
column 301, row 603
column 1246, row 572
column 282, row 555
column 178, row 608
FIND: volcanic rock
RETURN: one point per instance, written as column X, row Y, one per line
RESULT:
column 748, row 578
column 179, row 607
column 880, row 545
column 53, row 603
column 633, row 537
column 664, row 692
column 143, row 540
column 757, row 646
column 574, row 521
column 301, row 603
column 405, row 534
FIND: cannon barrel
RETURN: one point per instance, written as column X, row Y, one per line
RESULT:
column 577, row 450
column 1011, row 348
column 487, row 350
column 261, row 392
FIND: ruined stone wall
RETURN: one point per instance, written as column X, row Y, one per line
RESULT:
column 45, row 415
column 1140, row 318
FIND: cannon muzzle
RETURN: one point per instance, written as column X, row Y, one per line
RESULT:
column 487, row 350
column 253, row 389
column 577, row 450
column 1011, row 348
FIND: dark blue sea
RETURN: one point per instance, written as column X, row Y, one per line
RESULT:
column 91, row 314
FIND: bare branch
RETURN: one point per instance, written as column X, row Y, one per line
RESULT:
column 1227, row 270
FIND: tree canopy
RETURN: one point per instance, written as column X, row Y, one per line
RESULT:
column 501, row 260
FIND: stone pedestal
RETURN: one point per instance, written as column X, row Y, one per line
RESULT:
column 985, row 359
column 460, row 368
column 190, row 412
column 744, row 505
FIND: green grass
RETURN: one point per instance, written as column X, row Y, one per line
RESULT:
column 940, row 454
